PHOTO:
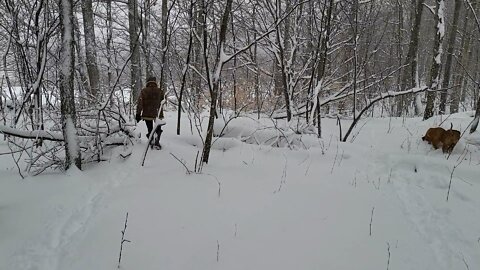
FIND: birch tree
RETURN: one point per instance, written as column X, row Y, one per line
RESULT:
column 164, row 44
column 199, row 25
column 434, row 80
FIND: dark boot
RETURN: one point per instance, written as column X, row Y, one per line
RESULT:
column 158, row 134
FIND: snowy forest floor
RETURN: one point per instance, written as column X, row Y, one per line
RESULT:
column 378, row 202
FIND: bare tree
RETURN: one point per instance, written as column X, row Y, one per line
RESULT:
column 448, row 61
column 410, row 72
column 465, row 57
column 109, row 41
column 199, row 22
column 322, row 53
column 434, row 81
column 281, row 75
column 476, row 120
column 164, row 44
column 147, row 8
column 133, row 27
column 90, row 48
column 214, row 82
column 68, row 112
column 184, row 75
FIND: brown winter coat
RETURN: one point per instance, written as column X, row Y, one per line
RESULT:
column 149, row 101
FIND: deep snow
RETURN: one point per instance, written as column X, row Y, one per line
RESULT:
column 309, row 204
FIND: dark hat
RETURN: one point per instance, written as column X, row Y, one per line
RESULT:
column 152, row 79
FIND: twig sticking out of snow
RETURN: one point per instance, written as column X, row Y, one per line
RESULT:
column 123, row 241
column 218, row 183
column 462, row 158
column 388, row 250
column 377, row 186
column 181, row 162
column 284, row 178
column 218, row 251
column 339, row 123
column 354, row 181
column 335, row 160
column 465, row 262
column 390, row 176
column 198, row 164
column 371, row 221
column 14, row 159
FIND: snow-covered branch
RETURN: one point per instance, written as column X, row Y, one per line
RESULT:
column 32, row 134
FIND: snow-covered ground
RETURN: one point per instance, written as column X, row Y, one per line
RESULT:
column 375, row 203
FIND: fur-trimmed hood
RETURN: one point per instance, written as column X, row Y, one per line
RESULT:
column 152, row 84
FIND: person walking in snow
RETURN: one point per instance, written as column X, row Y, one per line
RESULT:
column 148, row 105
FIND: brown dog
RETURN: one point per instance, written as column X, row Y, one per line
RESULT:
column 434, row 136
column 450, row 139
column 438, row 136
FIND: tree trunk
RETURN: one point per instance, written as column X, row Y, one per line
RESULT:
column 355, row 56
column 41, row 59
column 410, row 71
column 197, row 52
column 146, row 39
column 477, row 117
column 81, row 67
column 109, row 43
column 277, row 63
column 1, row 100
column 459, row 76
column 234, row 71
column 216, row 81
column 67, row 98
column 281, row 79
column 448, row 61
column 135, row 71
column 433, row 83
column 459, row 79
column 255, row 60
column 90, row 48
column 399, row 40
column 187, row 63
column 323, row 63
column 164, row 44
column 310, row 53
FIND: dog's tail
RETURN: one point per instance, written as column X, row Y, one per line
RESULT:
column 451, row 126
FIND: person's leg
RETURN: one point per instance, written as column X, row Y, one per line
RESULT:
column 149, row 124
column 158, row 131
